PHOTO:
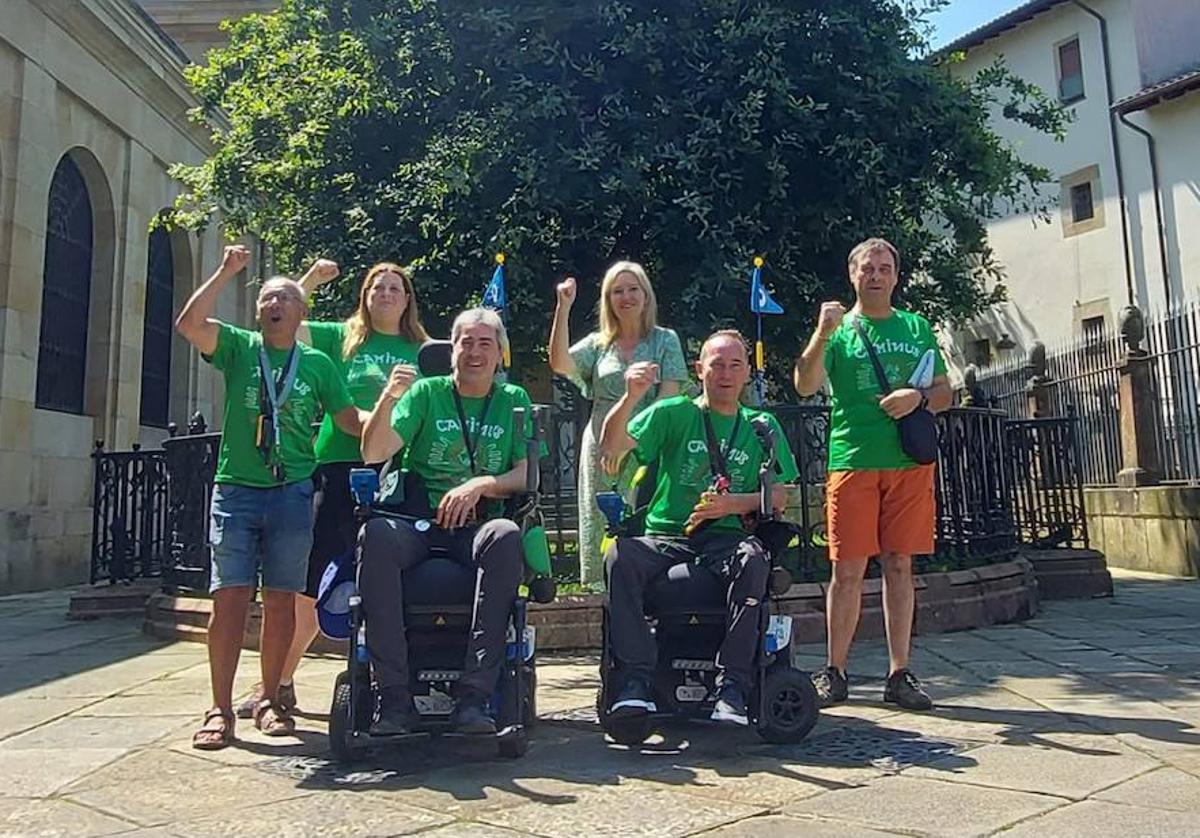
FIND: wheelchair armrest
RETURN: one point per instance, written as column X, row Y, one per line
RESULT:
column 521, row 506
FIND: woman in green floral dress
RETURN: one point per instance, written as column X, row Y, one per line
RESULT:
column 628, row 333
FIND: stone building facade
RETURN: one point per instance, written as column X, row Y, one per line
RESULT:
column 93, row 111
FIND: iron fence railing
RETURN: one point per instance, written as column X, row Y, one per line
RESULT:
column 1000, row 483
column 1084, row 374
column 129, row 522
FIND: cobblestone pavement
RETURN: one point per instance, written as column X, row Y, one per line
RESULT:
column 1084, row 721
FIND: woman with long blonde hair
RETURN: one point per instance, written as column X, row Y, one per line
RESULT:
column 628, row 333
column 383, row 331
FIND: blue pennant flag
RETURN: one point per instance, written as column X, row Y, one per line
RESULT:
column 760, row 300
column 495, row 296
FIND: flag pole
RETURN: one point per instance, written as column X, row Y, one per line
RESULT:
column 759, row 353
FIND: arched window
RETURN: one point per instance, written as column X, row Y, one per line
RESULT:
column 66, row 290
column 157, row 331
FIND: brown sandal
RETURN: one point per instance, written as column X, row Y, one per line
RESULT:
column 214, row 735
column 273, row 720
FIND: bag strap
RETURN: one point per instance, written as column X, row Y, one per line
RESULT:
column 880, row 375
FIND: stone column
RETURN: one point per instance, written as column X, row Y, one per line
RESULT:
column 1140, row 464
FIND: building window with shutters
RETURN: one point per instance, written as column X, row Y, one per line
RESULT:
column 66, row 293
column 1069, row 64
column 157, row 331
column 1082, row 202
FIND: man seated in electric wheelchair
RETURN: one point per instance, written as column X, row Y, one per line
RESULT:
column 439, row 634
column 702, row 573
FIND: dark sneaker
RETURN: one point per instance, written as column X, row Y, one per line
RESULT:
column 832, row 686
column 471, row 717
column 397, row 715
column 731, row 705
column 904, row 689
column 635, row 699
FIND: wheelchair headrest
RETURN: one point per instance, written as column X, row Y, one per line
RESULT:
column 434, row 358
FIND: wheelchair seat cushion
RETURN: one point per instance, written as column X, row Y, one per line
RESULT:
column 439, row 581
column 686, row 587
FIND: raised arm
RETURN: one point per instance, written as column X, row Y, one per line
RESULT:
column 809, row 373
column 560, row 332
column 615, row 441
column 319, row 273
column 195, row 321
column 380, row 442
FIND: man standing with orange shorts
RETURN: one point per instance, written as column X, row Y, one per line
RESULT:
column 880, row 502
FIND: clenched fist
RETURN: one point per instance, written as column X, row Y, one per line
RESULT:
column 235, row 259
column 639, row 378
column 324, row 270
column 830, row 318
column 565, row 291
column 402, row 377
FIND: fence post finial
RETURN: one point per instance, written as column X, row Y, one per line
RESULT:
column 1133, row 330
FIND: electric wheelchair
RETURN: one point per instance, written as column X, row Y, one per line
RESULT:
column 686, row 608
column 438, row 604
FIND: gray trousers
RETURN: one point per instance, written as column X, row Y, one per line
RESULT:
column 633, row 563
column 387, row 548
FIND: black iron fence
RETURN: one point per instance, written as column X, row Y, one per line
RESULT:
column 1084, row 374
column 129, row 514
column 1000, row 483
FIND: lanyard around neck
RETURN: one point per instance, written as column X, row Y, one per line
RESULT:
column 471, row 444
column 278, row 388
column 717, row 452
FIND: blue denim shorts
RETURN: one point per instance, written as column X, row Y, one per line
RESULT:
column 254, row 529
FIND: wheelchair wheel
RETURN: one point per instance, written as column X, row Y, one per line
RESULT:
column 340, row 734
column 790, row 708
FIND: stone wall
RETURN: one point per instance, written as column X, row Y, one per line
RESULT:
column 96, row 81
column 1151, row 528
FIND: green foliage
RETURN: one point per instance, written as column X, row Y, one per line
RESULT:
column 686, row 135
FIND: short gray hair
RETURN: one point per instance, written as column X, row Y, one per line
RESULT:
column 287, row 282
column 870, row 246
column 488, row 318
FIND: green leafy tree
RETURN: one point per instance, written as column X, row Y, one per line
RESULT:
column 689, row 135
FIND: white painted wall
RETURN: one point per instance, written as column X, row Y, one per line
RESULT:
column 1054, row 280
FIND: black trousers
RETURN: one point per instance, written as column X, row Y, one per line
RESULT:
column 386, row 548
column 633, row 563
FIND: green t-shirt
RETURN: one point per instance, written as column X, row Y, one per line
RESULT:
column 427, row 421
column 317, row 386
column 365, row 375
column 671, row 432
column 861, row 435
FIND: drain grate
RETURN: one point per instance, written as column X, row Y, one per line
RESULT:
column 881, row 748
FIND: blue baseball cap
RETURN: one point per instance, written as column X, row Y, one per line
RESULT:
column 333, row 597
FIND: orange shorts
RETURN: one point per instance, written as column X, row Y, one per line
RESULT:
column 871, row 512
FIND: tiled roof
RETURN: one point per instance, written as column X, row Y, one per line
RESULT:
column 1150, row 96
column 1006, row 21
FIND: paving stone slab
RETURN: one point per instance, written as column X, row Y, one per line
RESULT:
column 650, row 812
column 466, row 829
column 20, row 713
column 927, row 806
column 1067, row 766
column 1099, row 819
column 757, row 782
column 783, row 826
column 368, row 815
column 1166, row 788
column 37, row 772
column 91, row 732
column 156, row 788
column 50, row 818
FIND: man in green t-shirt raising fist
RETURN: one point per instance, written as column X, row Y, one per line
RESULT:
column 707, row 486
column 457, row 436
column 879, row 501
column 275, row 387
